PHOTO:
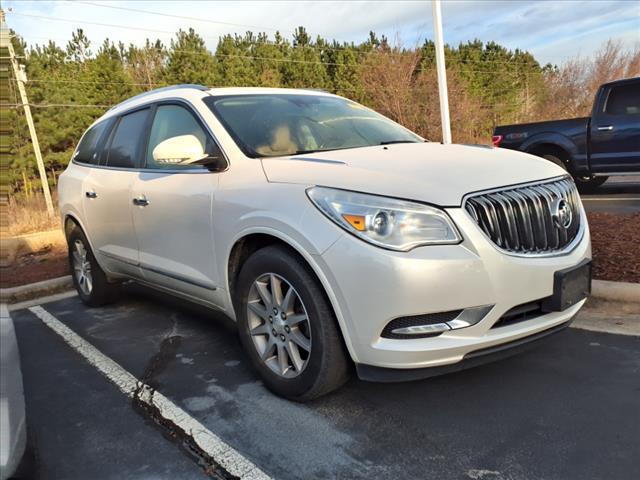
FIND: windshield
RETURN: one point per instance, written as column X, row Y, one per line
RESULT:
column 273, row 125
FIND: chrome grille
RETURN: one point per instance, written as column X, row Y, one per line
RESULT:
column 524, row 219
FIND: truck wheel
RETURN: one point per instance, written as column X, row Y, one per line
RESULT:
column 287, row 326
column 589, row 184
column 556, row 160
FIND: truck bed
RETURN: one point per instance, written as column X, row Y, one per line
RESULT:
column 514, row 135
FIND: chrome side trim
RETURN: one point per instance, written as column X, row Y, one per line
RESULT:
column 113, row 256
column 469, row 317
column 422, row 329
column 160, row 101
column 180, row 278
column 466, row 318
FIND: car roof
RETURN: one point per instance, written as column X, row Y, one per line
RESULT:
column 221, row 91
column 188, row 91
column 624, row 81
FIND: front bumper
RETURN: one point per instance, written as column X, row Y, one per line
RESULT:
column 372, row 286
column 470, row 360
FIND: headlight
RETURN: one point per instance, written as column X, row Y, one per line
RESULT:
column 386, row 222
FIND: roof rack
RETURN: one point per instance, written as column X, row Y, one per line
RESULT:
column 163, row 89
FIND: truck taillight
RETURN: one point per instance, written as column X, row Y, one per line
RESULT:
column 496, row 139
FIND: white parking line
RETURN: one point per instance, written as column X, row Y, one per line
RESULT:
column 609, row 199
column 223, row 454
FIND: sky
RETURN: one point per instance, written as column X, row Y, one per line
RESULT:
column 553, row 30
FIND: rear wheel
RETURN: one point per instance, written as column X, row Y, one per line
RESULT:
column 589, row 184
column 557, row 160
column 287, row 326
column 90, row 281
column 585, row 184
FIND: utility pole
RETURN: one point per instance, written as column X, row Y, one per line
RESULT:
column 21, row 77
column 442, row 71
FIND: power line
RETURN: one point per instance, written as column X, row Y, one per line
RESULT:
column 52, row 105
column 205, row 20
column 292, row 47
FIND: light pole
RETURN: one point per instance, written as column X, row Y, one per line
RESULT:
column 21, row 77
column 442, row 71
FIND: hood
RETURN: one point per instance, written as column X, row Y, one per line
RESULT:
column 427, row 172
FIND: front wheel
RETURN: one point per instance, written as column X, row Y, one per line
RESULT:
column 93, row 287
column 589, row 184
column 287, row 326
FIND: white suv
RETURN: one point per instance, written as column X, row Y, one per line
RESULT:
column 332, row 235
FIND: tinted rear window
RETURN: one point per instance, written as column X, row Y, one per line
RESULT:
column 87, row 148
column 125, row 147
column 624, row 100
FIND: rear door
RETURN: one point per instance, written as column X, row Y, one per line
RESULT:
column 615, row 130
column 174, row 215
column 107, row 195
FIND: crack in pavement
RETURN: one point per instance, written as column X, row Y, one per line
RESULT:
column 144, row 405
column 218, row 459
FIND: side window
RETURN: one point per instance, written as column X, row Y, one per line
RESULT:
column 124, row 150
column 624, row 100
column 87, row 150
column 174, row 121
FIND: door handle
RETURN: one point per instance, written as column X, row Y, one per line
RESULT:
column 141, row 201
column 91, row 194
column 606, row 128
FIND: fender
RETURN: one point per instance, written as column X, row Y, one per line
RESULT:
column 297, row 246
column 75, row 217
column 577, row 161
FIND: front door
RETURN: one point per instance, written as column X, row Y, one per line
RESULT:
column 107, row 196
column 615, row 131
column 174, row 212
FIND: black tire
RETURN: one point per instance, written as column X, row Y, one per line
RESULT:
column 589, row 184
column 586, row 184
column 327, row 366
column 102, row 291
column 558, row 161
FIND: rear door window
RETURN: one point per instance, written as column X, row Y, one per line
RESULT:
column 87, row 151
column 624, row 100
column 125, row 149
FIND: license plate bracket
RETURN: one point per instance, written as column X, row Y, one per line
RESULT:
column 570, row 286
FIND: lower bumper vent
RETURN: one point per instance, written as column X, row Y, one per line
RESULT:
column 520, row 313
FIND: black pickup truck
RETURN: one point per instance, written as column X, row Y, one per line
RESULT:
column 591, row 148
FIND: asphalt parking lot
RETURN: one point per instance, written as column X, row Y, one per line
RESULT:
column 616, row 195
column 567, row 409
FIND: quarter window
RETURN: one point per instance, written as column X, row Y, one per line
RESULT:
column 87, row 151
column 173, row 121
column 124, row 150
column 624, row 100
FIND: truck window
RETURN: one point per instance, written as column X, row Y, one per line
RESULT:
column 624, row 100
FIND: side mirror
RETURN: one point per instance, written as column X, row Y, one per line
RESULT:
column 185, row 150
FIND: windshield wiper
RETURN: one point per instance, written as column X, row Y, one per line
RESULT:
column 302, row 152
column 390, row 142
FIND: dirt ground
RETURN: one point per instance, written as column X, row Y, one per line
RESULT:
column 615, row 239
column 31, row 268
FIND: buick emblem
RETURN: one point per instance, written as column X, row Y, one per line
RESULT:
column 561, row 213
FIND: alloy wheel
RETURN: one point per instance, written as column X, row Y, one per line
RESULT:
column 82, row 267
column 279, row 325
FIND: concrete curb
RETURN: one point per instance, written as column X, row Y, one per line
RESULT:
column 601, row 289
column 35, row 290
column 616, row 291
